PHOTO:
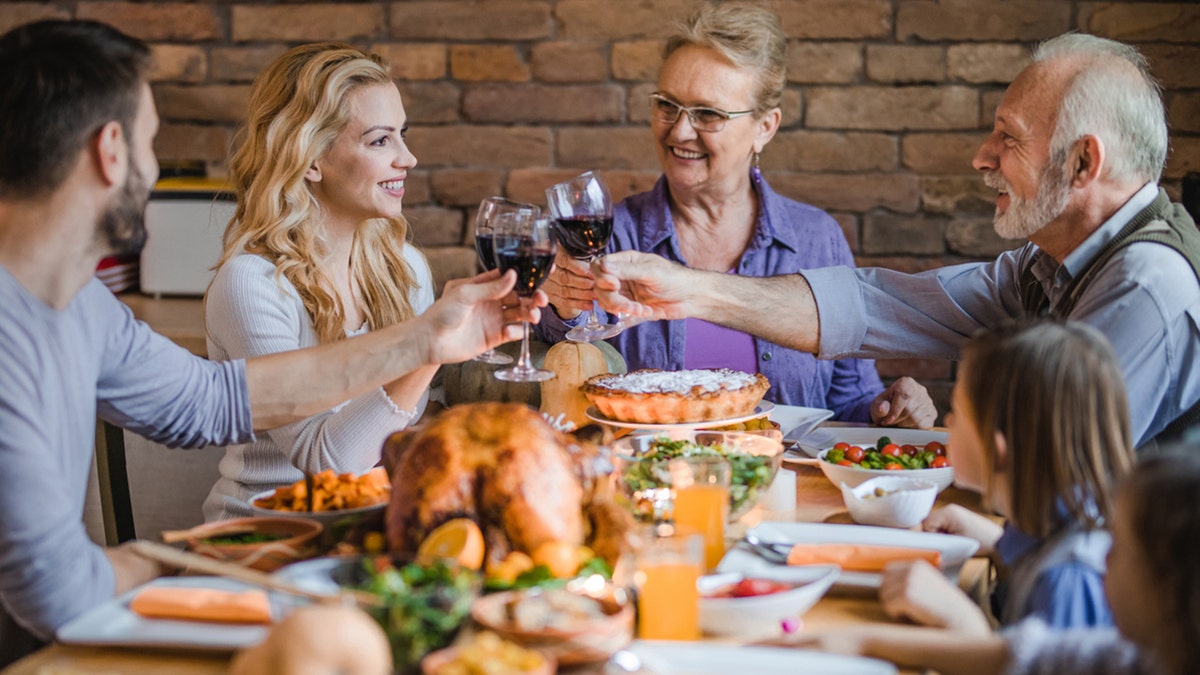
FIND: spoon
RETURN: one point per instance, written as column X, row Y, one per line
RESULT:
column 767, row 550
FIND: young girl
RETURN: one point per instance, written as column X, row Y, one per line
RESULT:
column 1040, row 426
column 317, row 252
column 1151, row 585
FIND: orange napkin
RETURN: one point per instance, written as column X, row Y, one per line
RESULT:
column 202, row 604
column 859, row 557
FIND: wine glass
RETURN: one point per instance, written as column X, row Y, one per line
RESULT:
column 484, row 225
column 525, row 243
column 583, row 211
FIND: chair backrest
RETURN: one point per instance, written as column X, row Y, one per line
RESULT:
column 146, row 488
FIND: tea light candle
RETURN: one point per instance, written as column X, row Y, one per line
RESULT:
column 781, row 496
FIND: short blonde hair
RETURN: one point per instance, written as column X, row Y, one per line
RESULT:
column 1055, row 392
column 298, row 107
column 746, row 34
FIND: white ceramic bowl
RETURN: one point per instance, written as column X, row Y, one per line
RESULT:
column 905, row 502
column 762, row 615
column 854, row 476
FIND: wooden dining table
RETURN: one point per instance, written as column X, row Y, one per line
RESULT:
column 817, row 501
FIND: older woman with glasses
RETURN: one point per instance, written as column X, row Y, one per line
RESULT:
column 715, row 110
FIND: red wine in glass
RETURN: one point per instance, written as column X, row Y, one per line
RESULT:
column 531, row 262
column 484, row 248
column 584, row 237
column 489, row 209
column 525, row 245
column 583, row 209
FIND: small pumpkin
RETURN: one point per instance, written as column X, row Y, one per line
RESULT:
column 574, row 363
column 474, row 381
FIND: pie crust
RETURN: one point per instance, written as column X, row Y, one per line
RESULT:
column 651, row 396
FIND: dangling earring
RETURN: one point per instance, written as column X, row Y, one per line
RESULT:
column 755, row 172
column 756, row 159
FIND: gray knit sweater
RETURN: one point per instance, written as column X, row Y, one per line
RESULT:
column 248, row 313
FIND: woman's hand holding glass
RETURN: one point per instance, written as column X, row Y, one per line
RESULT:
column 583, row 211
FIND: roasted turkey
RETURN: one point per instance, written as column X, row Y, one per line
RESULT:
column 500, row 464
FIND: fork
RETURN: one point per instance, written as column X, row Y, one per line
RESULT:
column 772, row 552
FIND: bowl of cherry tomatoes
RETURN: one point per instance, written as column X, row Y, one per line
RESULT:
column 763, row 603
column 855, row 464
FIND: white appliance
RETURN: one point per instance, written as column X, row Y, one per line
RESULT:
column 185, row 219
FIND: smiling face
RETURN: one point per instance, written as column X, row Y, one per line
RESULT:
column 709, row 162
column 1015, row 157
column 362, row 174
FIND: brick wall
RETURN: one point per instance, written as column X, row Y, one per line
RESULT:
column 886, row 103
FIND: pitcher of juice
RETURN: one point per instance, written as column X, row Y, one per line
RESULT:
column 669, row 562
column 701, row 486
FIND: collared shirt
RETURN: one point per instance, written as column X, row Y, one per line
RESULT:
column 1066, row 593
column 1146, row 300
column 788, row 236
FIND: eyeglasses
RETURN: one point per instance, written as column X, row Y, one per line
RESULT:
column 702, row 119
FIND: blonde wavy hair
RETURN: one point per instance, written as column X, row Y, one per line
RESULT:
column 298, row 106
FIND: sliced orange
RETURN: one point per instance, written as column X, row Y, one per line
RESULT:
column 459, row 540
column 507, row 570
column 561, row 558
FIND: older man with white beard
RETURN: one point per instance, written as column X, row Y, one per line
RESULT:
column 1076, row 153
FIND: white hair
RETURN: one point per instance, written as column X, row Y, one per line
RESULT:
column 1114, row 97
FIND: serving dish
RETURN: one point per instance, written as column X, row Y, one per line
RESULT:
column 569, row 635
column 755, row 458
column 763, row 409
column 702, row 658
column 890, row 501
column 824, row 437
column 295, row 540
column 113, row 624
column 955, row 550
column 854, row 476
column 762, row 616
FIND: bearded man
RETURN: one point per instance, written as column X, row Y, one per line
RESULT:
column 76, row 165
column 1076, row 152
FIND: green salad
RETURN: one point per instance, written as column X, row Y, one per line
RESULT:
column 423, row 606
column 749, row 474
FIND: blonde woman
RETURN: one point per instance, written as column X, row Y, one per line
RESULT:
column 317, row 252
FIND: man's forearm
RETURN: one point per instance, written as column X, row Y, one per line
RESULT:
column 780, row 309
column 290, row 386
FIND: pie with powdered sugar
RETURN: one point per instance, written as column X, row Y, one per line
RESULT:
column 652, row 396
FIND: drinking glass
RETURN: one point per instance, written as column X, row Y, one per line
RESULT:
column 583, row 212
column 669, row 561
column 525, row 243
column 701, row 486
column 484, row 226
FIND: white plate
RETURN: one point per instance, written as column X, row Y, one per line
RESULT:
column 955, row 550
column 112, row 624
column 826, row 437
column 762, row 409
column 797, row 421
column 702, row 658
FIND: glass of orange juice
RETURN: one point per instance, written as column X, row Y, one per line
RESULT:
column 701, row 486
column 669, row 562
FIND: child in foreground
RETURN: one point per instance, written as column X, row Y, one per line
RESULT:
column 1040, row 427
column 1151, row 586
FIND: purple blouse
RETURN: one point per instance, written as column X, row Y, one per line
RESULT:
column 788, row 237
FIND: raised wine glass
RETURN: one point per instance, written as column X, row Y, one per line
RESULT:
column 485, row 218
column 583, row 212
column 524, row 243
